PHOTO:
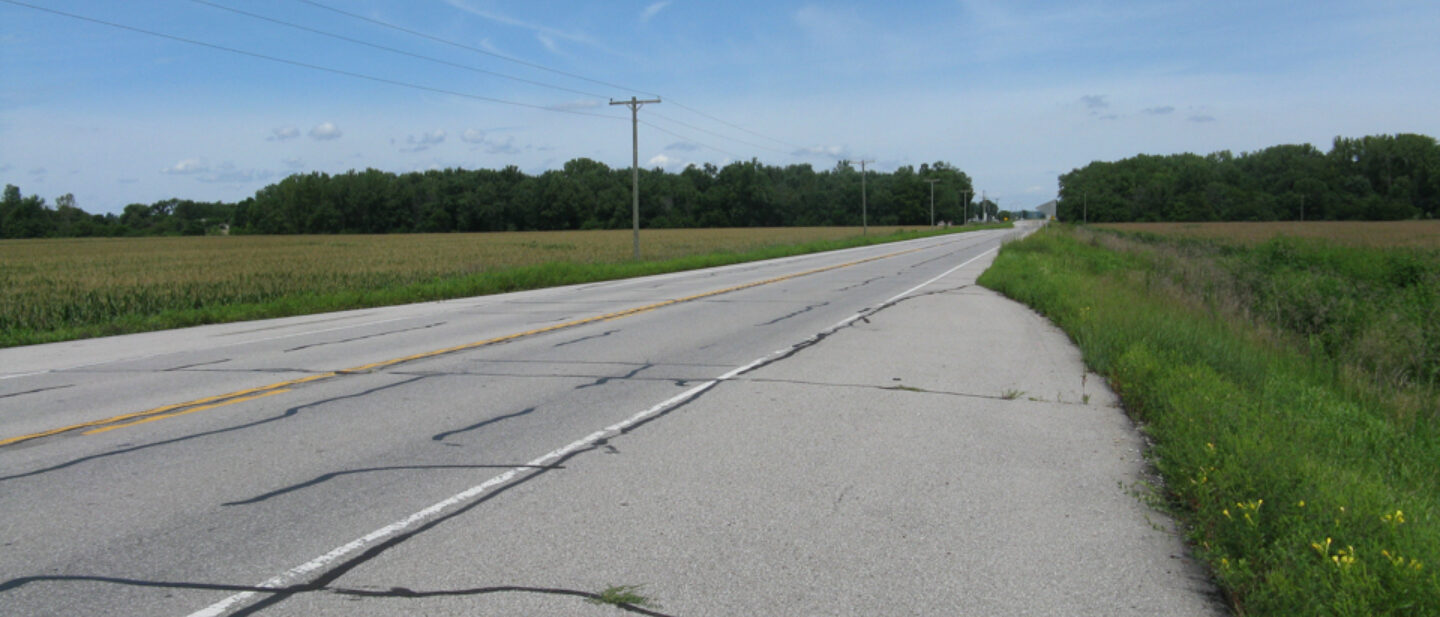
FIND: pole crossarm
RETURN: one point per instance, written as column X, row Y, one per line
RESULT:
column 634, row 104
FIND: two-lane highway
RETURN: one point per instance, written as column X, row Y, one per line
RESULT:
column 168, row 473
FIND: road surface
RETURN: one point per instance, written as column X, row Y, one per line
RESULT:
column 854, row 433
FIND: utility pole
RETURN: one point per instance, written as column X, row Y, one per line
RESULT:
column 932, row 182
column 965, row 203
column 634, row 105
column 864, row 213
column 1085, row 208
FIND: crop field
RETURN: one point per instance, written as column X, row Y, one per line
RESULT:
column 73, row 288
column 1378, row 234
column 1289, row 378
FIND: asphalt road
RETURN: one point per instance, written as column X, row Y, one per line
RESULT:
column 861, row 432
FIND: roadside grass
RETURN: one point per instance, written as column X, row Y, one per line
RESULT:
column 1289, row 388
column 57, row 290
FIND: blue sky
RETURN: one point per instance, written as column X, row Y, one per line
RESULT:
column 1015, row 93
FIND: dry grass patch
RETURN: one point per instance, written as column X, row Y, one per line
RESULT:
column 1378, row 234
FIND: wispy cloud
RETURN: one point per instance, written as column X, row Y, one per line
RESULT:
column 654, row 8
column 229, row 173
column 683, row 146
column 186, row 167
column 1201, row 118
column 422, row 142
column 549, row 34
column 1159, row 111
column 1095, row 101
column 473, row 136
column 283, row 133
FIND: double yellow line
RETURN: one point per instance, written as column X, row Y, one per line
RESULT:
column 240, row 396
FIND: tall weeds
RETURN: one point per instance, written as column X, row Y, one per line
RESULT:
column 1308, row 476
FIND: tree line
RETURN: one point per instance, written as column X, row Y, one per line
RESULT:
column 1382, row 177
column 584, row 194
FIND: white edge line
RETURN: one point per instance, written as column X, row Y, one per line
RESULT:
column 941, row 276
column 388, row 531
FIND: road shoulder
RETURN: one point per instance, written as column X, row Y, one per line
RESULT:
column 948, row 454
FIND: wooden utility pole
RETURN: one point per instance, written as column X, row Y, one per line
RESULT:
column 634, row 105
column 932, row 182
column 864, row 214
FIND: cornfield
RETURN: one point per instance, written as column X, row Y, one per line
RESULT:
column 110, row 285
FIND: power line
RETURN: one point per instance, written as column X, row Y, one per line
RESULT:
column 542, row 67
column 691, row 126
column 307, row 65
column 698, row 143
column 392, row 49
column 471, row 48
column 736, row 126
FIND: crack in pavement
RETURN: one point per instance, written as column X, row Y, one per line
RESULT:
column 335, row 474
column 188, row 366
column 604, row 380
column 860, row 284
column 364, row 337
column 393, row 592
column 585, row 338
column 284, row 415
column 13, row 394
column 481, row 424
column 796, row 313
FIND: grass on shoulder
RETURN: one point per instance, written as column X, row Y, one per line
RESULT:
column 1305, row 493
column 57, row 290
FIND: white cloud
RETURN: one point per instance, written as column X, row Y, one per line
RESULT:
column 325, row 131
column 186, row 167
column 293, row 162
column 283, row 133
column 228, row 173
column 503, row 147
column 661, row 160
column 424, row 141
column 838, row 152
column 653, row 9
column 473, row 136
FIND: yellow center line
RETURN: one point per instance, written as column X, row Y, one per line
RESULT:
column 242, row 399
column 220, row 400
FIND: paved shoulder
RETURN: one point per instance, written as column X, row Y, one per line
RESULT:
column 947, row 455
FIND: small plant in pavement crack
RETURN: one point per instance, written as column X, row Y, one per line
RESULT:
column 1011, row 394
column 624, row 594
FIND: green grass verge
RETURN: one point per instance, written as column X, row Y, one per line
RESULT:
column 1305, row 494
column 501, row 280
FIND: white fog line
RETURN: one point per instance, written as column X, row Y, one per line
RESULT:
column 941, row 276
column 294, row 574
